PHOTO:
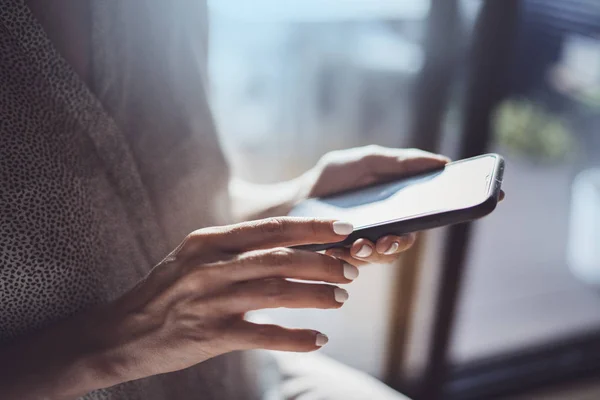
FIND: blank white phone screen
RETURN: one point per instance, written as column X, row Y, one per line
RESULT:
column 458, row 186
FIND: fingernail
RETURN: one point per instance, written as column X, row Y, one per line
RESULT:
column 392, row 249
column 321, row 340
column 343, row 228
column 365, row 251
column 340, row 295
column 350, row 271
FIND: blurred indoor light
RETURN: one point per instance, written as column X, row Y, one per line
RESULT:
column 321, row 10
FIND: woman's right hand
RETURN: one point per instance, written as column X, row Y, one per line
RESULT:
column 188, row 309
column 191, row 306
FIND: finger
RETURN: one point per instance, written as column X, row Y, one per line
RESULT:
column 247, row 336
column 344, row 255
column 275, row 293
column 275, row 232
column 403, row 161
column 365, row 250
column 393, row 245
column 288, row 263
column 502, row 195
column 358, row 255
column 362, row 249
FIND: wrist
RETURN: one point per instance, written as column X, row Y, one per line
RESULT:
column 306, row 183
column 77, row 375
column 61, row 362
column 255, row 201
column 97, row 363
column 295, row 191
column 88, row 370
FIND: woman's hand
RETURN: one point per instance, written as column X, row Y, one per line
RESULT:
column 348, row 169
column 190, row 308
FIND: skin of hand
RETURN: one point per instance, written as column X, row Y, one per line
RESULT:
column 188, row 309
column 336, row 172
column 342, row 170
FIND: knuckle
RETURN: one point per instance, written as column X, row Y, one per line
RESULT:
column 315, row 227
column 373, row 148
column 330, row 157
column 186, row 247
column 413, row 152
column 212, row 234
column 369, row 160
column 196, row 235
column 195, row 240
column 263, row 335
column 273, row 290
column 241, row 264
column 273, row 226
column 281, row 257
column 191, row 282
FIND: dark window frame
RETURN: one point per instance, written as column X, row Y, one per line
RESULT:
column 559, row 362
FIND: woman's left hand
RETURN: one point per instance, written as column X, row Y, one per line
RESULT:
column 342, row 170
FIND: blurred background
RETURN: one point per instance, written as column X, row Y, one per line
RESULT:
column 505, row 307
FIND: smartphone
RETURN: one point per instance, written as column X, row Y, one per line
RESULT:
column 461, row 191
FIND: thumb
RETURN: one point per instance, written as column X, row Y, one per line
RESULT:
column 405, row 162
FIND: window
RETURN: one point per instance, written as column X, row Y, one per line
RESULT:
column 534, row 269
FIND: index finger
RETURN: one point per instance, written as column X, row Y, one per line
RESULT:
column 278, row 232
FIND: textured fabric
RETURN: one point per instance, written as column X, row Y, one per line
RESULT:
column 94, row 190
column 98, row 183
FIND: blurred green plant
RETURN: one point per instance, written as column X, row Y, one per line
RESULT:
column 591, row 98
column 527, row 128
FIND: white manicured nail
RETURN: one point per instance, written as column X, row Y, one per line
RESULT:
column 393, row 249
column 365, row 251
column 340, row 295
column 321, row 340
column 343, row 228
column 350, row 271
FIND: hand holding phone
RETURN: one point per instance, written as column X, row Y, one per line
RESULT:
column 462, row 191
